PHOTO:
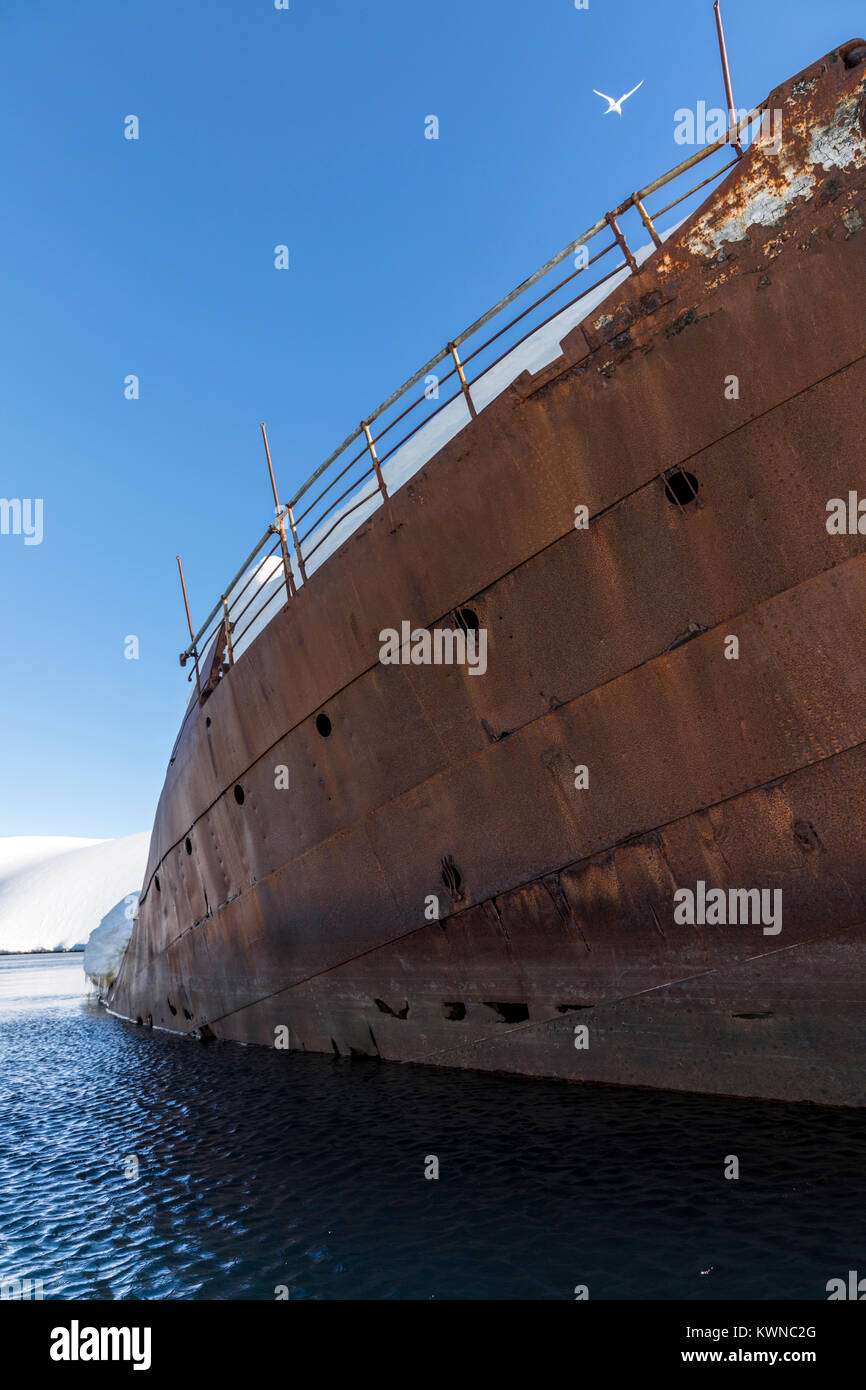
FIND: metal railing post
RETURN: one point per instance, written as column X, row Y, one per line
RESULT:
column 621, row 242
column 452, row 348
column 228, row 632
column 291, row 511
column 646, row 219
column 375, row 457
column 365, row 426
column 280, row 526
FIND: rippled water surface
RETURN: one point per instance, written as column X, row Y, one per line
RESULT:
column 258, row 1169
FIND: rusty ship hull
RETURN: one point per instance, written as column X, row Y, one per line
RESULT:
column 305, row 913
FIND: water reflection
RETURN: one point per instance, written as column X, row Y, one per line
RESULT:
column 137, row 1165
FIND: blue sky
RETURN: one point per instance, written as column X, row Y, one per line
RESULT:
column 156, row 257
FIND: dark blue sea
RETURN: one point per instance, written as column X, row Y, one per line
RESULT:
column 138, row 1165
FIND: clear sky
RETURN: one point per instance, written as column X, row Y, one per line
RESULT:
column 155, row 257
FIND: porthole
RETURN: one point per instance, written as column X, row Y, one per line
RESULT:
column 323, row 724
column 452, row 877
column 188, row 845
column 681, row 487
column 239, row 794
column 156, row 881
column 467, row 619
column 509, row 1013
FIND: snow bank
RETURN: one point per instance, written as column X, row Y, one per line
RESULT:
column 104, row 950
column 54, row 891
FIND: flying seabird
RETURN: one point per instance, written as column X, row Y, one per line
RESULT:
column 617, row 105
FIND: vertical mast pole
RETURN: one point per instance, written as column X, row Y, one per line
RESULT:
column 189, row 625
column 726, row 72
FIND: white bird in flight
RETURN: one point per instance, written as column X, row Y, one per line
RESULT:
column 617, row 105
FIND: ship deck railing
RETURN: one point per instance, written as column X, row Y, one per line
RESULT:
column 364, row 470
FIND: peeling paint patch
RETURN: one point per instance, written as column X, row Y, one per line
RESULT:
column 763, row 209
column 764, row 198
column 841, row 143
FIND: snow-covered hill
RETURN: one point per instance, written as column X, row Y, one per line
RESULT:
column 54, row 891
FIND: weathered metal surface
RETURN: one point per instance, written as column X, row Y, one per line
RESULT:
column 305, row 907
